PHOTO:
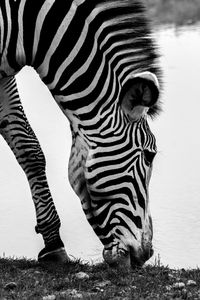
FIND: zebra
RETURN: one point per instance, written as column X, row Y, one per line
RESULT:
column 100, row 63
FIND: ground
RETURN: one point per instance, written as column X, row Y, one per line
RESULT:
column 27, row 279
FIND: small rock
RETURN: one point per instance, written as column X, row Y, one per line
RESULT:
column 189, row 295
column 78, row 296
column 171, row 276
column 63, row 294
column 82, row 275
column 72, row 293
column 184, row 292
column 168, row 288
column 67, row 280
column 191, row 283
column 174, row 271
column 133, row 287
column 103, row 284
column 49, row 297
column 10, row 286
column 179, row 285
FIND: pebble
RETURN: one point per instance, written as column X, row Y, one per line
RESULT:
column 171, row 276
column 67, row 280
column 179, row 285
column 78, row 296
column 72, row 293
column 97, row 289
column 103, row 284
column 49, row 297
column 10, row 285
column 82, row 275
column 168, row 288
column 191, row 283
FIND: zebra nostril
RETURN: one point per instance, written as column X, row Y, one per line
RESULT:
column 148, row 253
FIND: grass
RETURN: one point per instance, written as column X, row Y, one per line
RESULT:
column 27, row 279
column 178, row 12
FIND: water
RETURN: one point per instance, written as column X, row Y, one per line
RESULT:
column 175, row 186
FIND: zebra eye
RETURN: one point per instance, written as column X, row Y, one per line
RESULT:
column 149, row 156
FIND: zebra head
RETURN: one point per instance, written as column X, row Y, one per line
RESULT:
column 110, row 168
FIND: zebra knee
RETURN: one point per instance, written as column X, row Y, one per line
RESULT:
column 4, row 128
column 24, row 145
column 3, row 125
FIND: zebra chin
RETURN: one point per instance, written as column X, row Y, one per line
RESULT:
column 130, row 258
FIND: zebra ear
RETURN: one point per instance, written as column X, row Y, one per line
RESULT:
column 138, row 95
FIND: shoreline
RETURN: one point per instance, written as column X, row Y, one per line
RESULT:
column 177, row 12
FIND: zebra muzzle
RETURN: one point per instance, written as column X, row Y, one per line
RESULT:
column 129, row 259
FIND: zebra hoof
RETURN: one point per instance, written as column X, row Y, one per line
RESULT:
column 53, row 252
column 53, row 256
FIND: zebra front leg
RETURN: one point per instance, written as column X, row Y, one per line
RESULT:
column 16, row 130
